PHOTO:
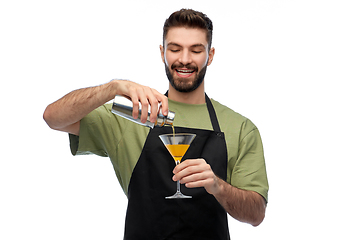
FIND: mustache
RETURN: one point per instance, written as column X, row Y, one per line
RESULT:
column 188, row 66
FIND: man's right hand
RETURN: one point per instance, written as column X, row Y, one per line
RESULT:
column 65, row 114
column 148, row 97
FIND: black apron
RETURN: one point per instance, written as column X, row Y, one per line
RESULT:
column 152, row 217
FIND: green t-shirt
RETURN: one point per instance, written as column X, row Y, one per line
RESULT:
column 106, row 134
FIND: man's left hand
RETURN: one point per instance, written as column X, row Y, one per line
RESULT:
column 197, row 173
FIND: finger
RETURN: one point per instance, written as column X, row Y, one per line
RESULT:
column 130, row 91
column 144, row 105
column 154, row 105
column 200, row 183
column 193, row 172
column 187, row 163
column 136, row 105
column 161, row 98
column 197, row 177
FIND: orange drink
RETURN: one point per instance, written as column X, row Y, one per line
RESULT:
column 177, row 151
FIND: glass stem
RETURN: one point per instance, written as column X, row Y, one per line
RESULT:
column 178, row 187
column 178, row 182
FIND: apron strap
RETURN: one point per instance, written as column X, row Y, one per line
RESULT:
column 213, row 118
column 212, row 113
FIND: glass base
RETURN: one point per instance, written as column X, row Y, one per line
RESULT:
column 178, row 195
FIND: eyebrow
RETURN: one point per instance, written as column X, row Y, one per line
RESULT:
column 192, row 46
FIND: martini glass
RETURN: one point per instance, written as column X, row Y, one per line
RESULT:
column 177, row 144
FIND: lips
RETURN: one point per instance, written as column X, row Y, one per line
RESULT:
column 184, row 72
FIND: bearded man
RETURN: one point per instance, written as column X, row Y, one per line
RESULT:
column 224, row 168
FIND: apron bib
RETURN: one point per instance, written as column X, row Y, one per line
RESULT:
column 151, row 216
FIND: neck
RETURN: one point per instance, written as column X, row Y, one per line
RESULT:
column 195, row 97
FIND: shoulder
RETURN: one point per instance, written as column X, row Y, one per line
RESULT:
column 231, row 120
column 221, row 109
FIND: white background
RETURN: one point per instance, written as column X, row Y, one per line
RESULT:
column 292, row 67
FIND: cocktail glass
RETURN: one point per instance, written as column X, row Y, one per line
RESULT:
column 177, row 144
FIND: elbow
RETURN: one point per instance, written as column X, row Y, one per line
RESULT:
column 47, row 116
column 256, row 222
column 259, row 217
column 260, row 213
column 54, row 123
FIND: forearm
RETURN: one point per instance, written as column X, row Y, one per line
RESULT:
column 245, row 206
column 77, row 104
column 66, row 113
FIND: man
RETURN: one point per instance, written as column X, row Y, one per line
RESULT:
column 224, row 170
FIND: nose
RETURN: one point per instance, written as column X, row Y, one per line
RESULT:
column 185, row 57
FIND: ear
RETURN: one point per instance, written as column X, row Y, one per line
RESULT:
column 211, row 56
column 162, row 53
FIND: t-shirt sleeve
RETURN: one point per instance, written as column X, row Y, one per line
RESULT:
column 96, row 134
column 249, row 172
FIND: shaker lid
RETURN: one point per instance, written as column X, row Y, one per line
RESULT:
column 170, row 117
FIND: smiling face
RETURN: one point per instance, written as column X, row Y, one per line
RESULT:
column 186, row 55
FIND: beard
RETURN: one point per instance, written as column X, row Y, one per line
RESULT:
column 182, row 85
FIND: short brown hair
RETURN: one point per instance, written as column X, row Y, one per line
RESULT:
column 189, row 18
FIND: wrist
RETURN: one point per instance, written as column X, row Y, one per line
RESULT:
column 115, row 88
column 219, row 187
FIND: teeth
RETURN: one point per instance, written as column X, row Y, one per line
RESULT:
column 185, row 71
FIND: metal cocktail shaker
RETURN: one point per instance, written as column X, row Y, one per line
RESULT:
column 123, row 107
